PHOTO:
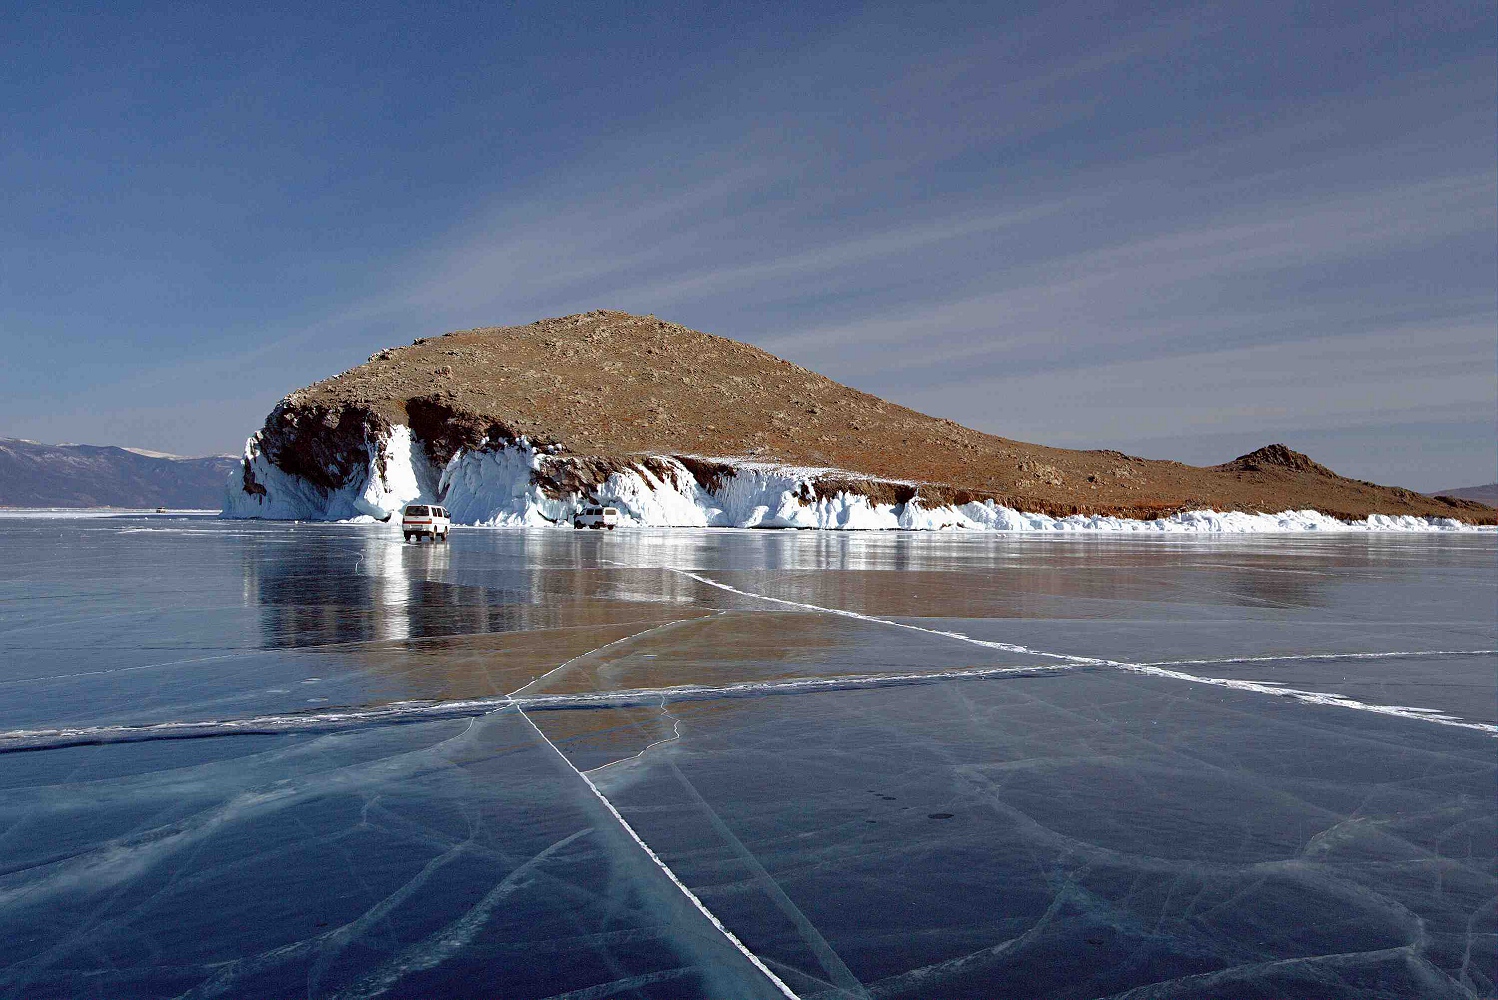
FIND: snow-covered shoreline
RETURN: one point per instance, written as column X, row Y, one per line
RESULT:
column 496, row 487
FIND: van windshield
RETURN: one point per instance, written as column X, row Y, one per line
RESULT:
column 416, row 511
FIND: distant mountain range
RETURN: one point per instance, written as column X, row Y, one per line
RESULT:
column 81, row 475
column 1482, row 494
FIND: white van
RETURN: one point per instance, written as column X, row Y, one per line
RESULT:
column 593, row 516
column 424, row 519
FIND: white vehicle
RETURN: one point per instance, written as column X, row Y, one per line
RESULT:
column 593, row 516
column 423, row 519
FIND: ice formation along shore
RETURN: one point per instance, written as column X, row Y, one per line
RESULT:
column 502, row 487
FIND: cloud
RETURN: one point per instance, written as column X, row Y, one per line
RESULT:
column 1219, row 280
column 1404, row 375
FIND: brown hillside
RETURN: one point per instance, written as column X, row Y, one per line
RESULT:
column 615, row 386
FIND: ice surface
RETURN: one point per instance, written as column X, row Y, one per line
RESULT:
column 1080, row 836
column 269, row 759
column 412, row 861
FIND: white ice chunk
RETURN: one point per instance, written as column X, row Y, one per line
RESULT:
column 382, row 489
column 497, row 487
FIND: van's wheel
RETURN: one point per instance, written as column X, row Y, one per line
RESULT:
column 443, row 539
column 609, row 526
column 407, row 537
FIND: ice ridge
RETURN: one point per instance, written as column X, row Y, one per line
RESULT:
column 499, row 486
column 406, row 712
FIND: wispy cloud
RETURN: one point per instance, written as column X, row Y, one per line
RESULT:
column 1405, row 374
column 1171, row 291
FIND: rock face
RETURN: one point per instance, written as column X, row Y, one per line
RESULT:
column 80, row 475
column 521, row 424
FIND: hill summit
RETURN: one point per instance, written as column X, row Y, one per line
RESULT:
column 605, row 393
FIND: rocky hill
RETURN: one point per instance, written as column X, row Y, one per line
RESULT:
column 80, row 475
column 583, row 398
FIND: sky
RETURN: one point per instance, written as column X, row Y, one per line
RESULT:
column 1183, row 232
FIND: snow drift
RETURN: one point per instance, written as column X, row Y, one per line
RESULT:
column 516, row 484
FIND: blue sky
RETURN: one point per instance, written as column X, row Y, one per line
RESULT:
column 1182, row 233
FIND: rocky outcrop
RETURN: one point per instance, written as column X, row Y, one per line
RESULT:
column 328, row 446
column 1277, row 456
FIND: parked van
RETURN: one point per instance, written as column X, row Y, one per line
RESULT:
column 596, row 517
column 424, row 519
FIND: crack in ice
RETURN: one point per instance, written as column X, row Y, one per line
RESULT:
column 409, row 712
column 441, row 945
column 1399, row 655
column 691, row 896
column 842, row 978
column 675, row 735
column 1257, row 687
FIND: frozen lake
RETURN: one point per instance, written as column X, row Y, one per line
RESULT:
column 268, row 760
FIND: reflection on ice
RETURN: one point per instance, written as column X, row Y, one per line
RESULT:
column 741, row 647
